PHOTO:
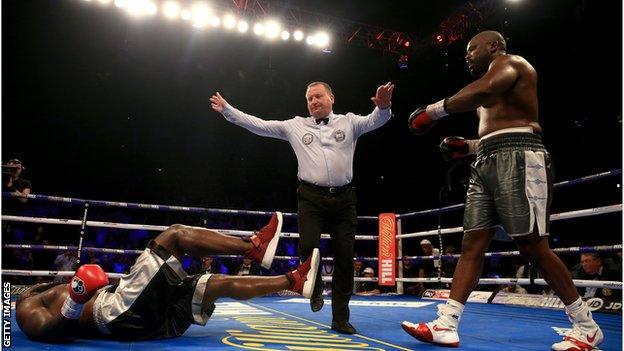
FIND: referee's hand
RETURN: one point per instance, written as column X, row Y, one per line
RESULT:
column 383, row 96
column 218, row 103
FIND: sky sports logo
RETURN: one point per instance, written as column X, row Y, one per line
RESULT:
column 6, row 314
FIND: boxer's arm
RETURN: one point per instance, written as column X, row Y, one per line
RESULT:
column 37, row 320
column 500, row 77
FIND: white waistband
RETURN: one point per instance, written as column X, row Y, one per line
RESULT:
column 508, row 130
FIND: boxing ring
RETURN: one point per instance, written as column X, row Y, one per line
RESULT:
column 286, row 323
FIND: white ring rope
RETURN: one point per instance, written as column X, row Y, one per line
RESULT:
column 521, row 281
column 158, row 228
column 554, row 217
column 573, row 249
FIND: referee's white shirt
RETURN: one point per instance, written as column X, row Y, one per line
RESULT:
column 324, row 151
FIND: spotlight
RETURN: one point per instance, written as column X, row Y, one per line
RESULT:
column 310, row 40
column 285, row 35
column 151, row 8
column 229, row 21
column 185, row 14
column 140, row 7
column 242, row 26
column 439, row 38
column 406, row 44
column 171, row 9
column 200, row 14
column 215, row 21
column 298, row 35
column 272, row 29
column 258, row 28
column 321, row 39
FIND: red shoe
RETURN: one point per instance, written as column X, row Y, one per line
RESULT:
column 303, row 278
column 432, row 333
column 265, row 241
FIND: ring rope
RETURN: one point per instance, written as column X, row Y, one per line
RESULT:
column 133, row 205
column 159, row 228
column 575, row 249
column 522, row 281
column 556, row 185
column 262, row 213
column 554, row 217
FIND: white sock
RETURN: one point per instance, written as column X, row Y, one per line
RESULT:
column 579, row 312
column 451, row 313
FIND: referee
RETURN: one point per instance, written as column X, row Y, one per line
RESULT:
column 324, row 145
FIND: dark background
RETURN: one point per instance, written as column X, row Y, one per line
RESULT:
column 98, row 105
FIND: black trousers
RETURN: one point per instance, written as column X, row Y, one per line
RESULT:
column 318, row 209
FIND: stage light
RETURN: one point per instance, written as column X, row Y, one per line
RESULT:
column 229, row 21
column 242, row 26
column 215, row 21
column 151, row 8
column 321, row 39
column 185, row 14
column 171, row 9
column 258, row 28
column 139, row 8
column 285, row 35
column 104, row 2
column 298, row 35
column 272, row 29
column 406, row 44
column 439, row 38
column 310, row 40
column 120, row 3
column 200, row 14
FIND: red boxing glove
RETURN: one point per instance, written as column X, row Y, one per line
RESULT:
column 420, row 122
column 423, row 119
column 454, row 147
column 85, row 283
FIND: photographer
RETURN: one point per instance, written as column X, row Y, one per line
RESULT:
column 11, row 180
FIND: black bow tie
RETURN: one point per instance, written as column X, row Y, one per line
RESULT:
column 324, row 120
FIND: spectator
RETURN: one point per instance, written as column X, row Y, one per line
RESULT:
column 513, row 288
column 12, row 182
column 528, row 271
column 449, row 263
column 106, row 264
column 426, row 268
column 357, row 272
column 368, row 288
column 247, row 267
column 410, row 270
column 592, row 268
column 210, row 265
column 65, row 261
